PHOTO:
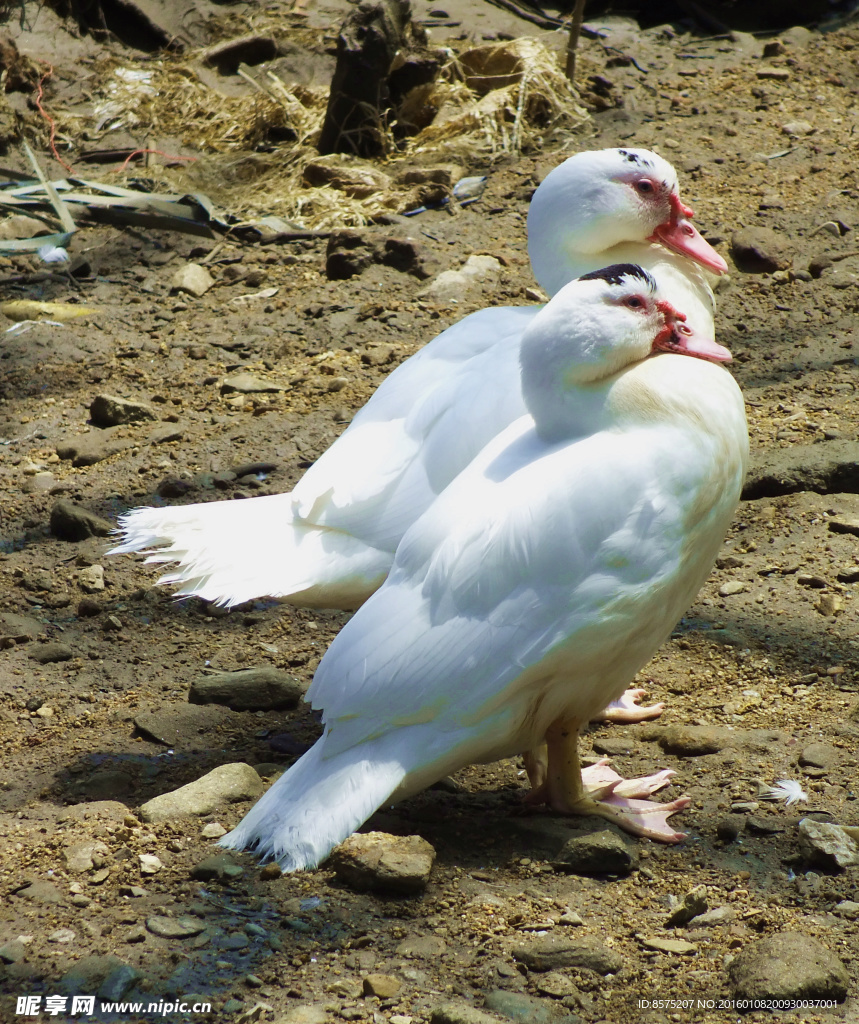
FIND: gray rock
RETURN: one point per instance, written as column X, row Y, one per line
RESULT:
column 376, row 860
column 346, row 988
column 377, row 355
column 831, row 467
column 41, row 892
column 110, row 411
column 597, row 853
column 848, row 909
column 12, row 952
column 676, row 947
column 149, row 864
column 455, row 285
column 120, row 979
column 716, row 916
column 526, row 1009
column 690, row 740
column 89, row 974
column 238, row 940
column 555, row 984
column 250, row 689
column 694, row 903
column 166, row 434
column 827, row 845
column 180, row 725
column 788, row 966
column 184, row 927
column 408, row 256
column 460, row 1012
column 134, row 891
column 553, row 952
column 248, row 384
column 844, row 524
column 71, row 522
column 220, row 866
column 798, row 128
column 763, row 826
column 614, row 746
column 47, row 653
column 229, row 783
column 39, row 483
column 760, row 250
column 385, row 986
column 91, row 579
column 819, row 755
column 193, row 279
column 86, row 856
column 422, row 947
column 88, row 449
column 21, row 226
column 241, row 469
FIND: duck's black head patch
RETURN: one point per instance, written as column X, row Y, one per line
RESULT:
column 635, row 158
column 617, row 272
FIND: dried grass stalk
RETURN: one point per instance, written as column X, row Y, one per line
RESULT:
column 491, row 100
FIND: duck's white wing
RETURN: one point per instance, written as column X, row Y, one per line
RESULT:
column 426, row 422
column 330, row 542
column 589, row 547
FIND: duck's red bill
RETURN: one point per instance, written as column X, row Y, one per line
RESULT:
column 681, row 236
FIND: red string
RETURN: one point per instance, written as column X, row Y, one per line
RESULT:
column 49, row 119
column 167, row 156
column 51, row 122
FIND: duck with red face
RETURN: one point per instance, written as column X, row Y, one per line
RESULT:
column 537, row 583
column 615, row 206
column 331, row 541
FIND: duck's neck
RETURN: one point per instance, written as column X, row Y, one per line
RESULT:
column 565, row 395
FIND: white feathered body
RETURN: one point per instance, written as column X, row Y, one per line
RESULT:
column 330, row 543
column 533, row 589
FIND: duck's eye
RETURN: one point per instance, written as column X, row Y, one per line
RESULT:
column 645, row 186
column 635, row 302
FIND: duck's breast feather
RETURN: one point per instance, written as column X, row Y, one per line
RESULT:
column 582, row 547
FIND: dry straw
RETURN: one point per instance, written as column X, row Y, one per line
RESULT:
column 502, row 98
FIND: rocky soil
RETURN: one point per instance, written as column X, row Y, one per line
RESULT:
column 234, row 393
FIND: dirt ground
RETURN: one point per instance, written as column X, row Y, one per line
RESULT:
column 769, row 651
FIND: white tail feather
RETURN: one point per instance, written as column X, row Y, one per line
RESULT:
column 317, row 804
column 234, row 551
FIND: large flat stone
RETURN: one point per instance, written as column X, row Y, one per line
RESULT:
column 227, row 784
column 788, row 966
column 831, row 467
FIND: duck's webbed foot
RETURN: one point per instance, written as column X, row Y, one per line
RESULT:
column 626, row 709
column 600, row 790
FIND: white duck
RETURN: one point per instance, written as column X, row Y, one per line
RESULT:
column 537, row 583
column 330, row 542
